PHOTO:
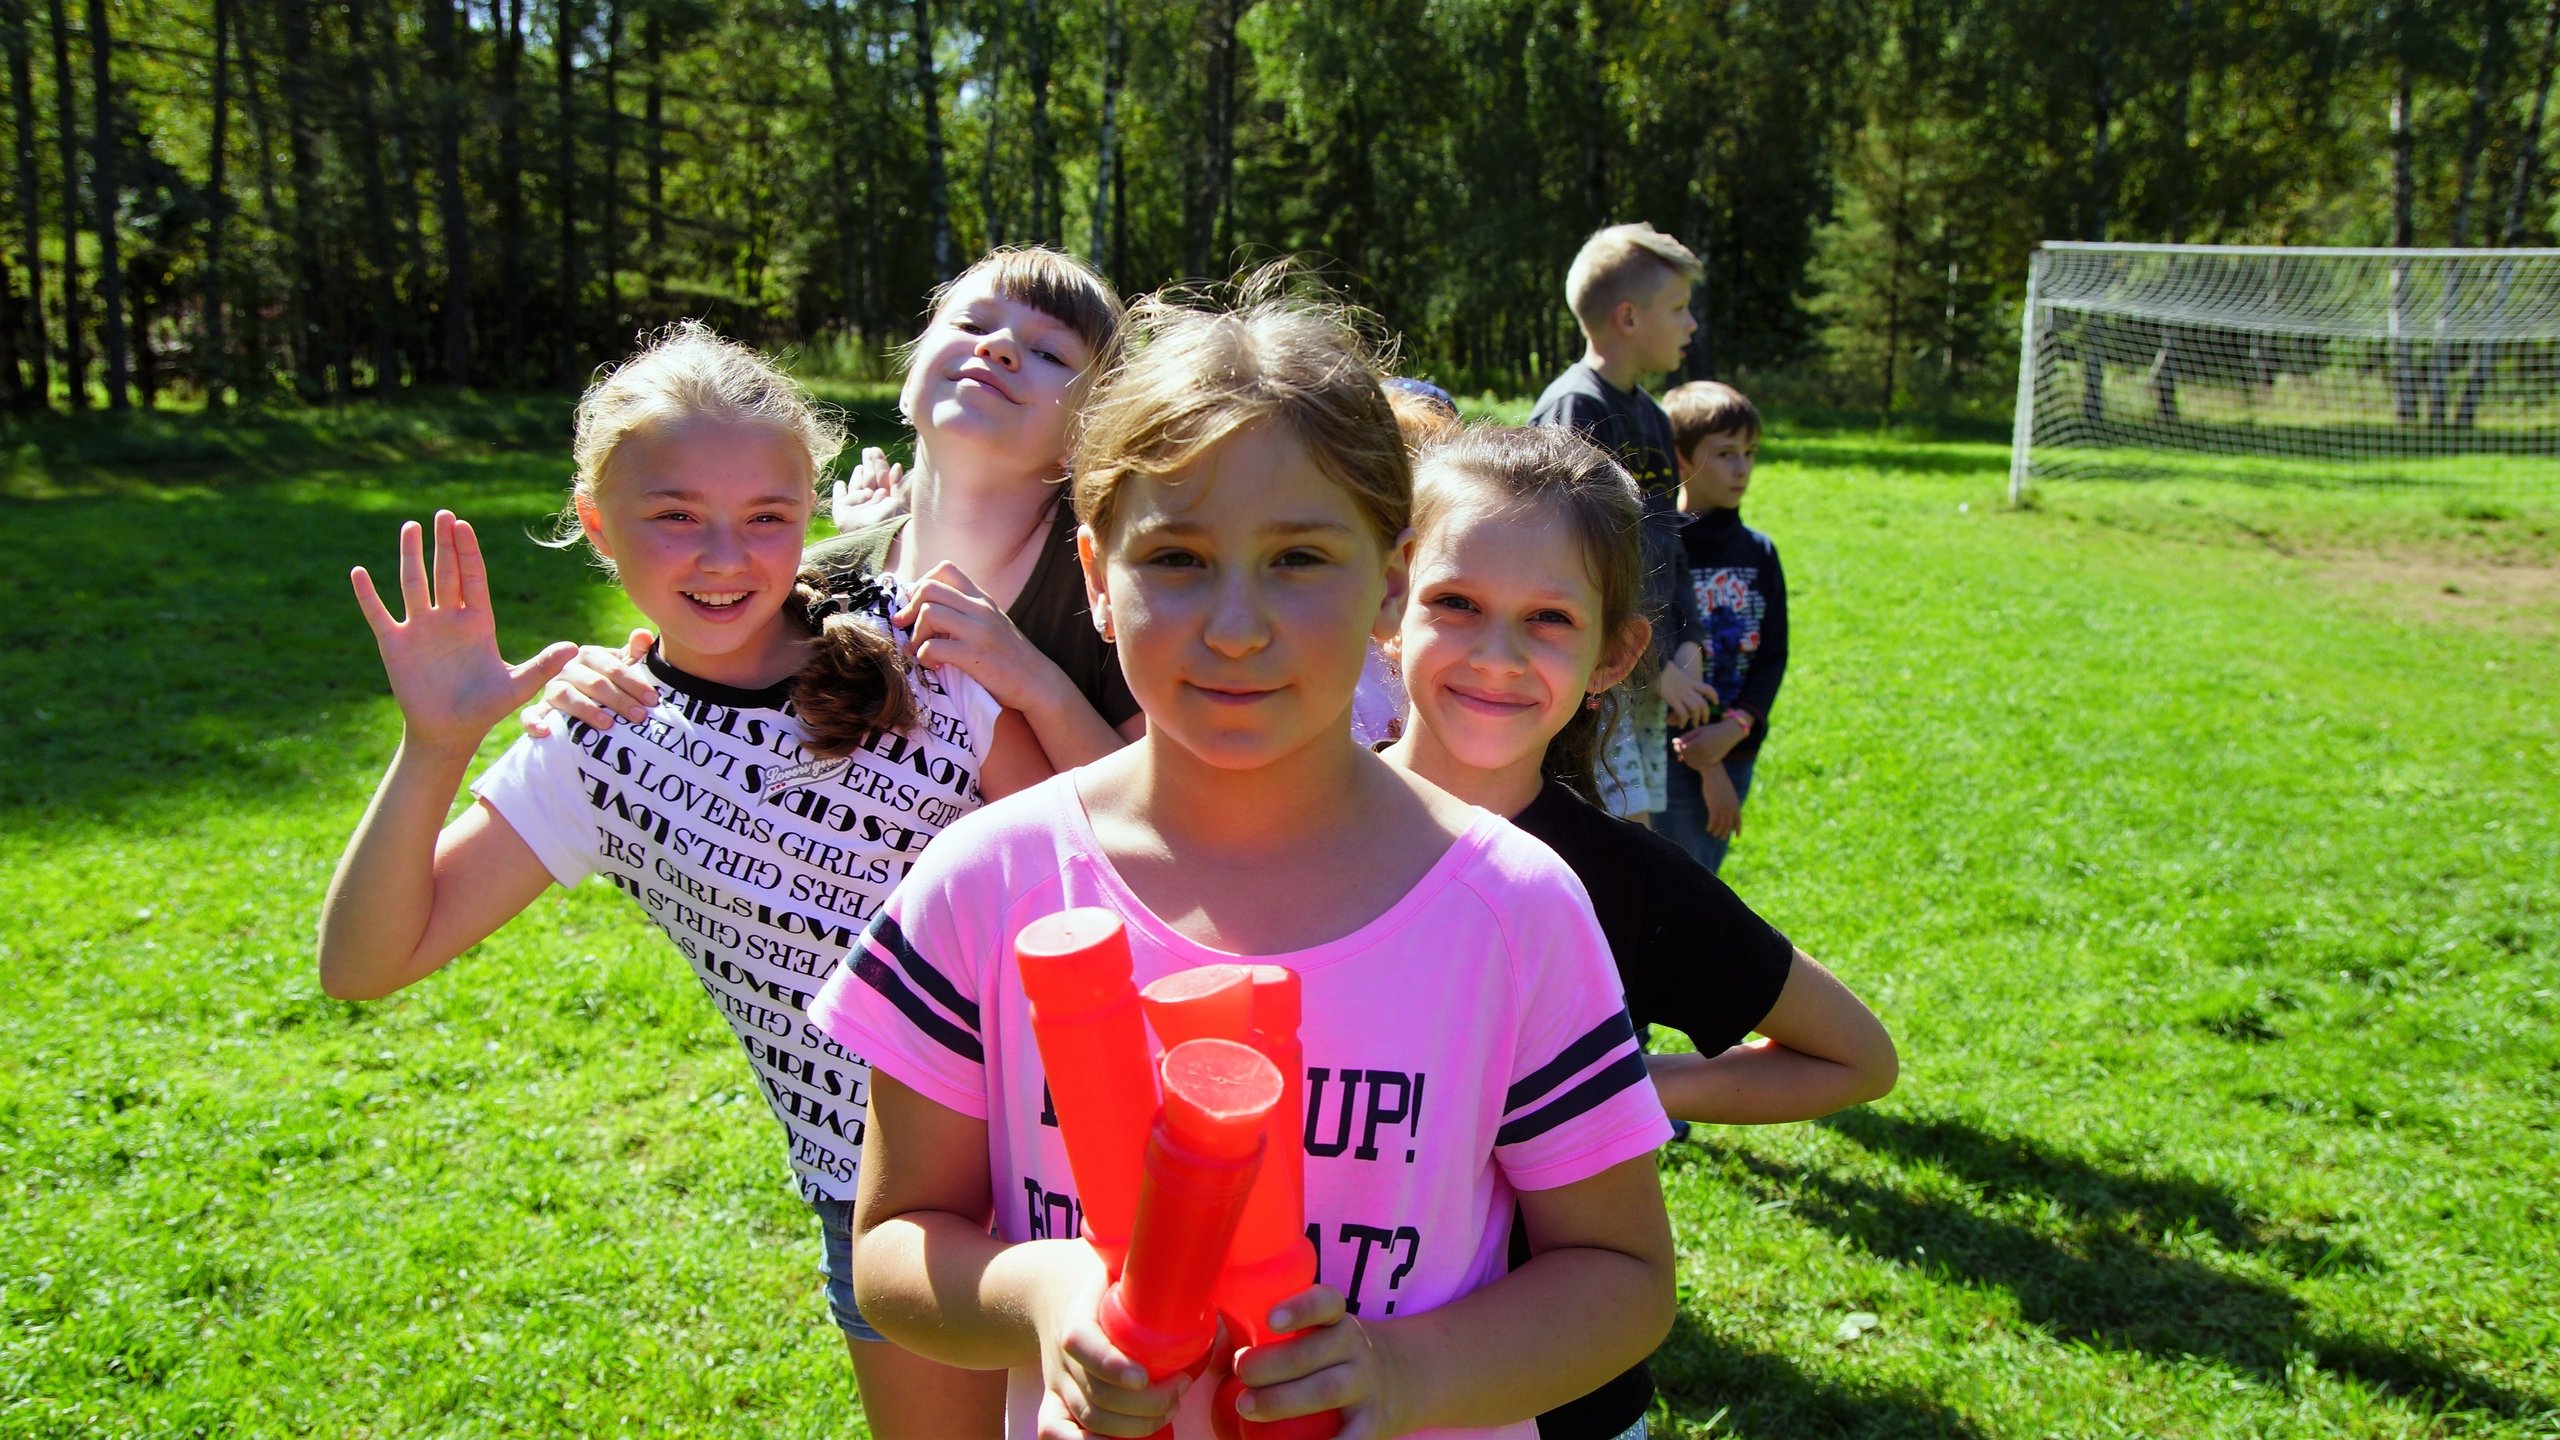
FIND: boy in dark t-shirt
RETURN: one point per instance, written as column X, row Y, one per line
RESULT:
column 1629, row 289
column 1741, row 595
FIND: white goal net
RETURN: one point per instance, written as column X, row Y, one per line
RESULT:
column 2293, row 364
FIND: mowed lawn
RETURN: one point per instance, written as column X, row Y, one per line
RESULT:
column 2201, row 845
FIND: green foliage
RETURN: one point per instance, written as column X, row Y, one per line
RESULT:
column 1865, row 181
column 2218, row 951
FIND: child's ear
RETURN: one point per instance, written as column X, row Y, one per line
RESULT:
column 1619, row 660
column 1390, row 621
column 1623, row 319
column 591, row 521
column 1097, row 583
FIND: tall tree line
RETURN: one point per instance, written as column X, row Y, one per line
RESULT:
column 325, row 198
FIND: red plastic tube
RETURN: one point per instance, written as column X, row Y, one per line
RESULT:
column 1271, row 1259
column 1201, row 1158
column 1093, row 1046
column 1208, row 1002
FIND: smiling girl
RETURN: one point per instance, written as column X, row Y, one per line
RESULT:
column 1524, row 613
column 759, row 838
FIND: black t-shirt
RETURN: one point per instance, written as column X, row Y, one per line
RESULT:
column 1051, row 612
column 1691, row 955
column 1631, row 425
column 1741, row 595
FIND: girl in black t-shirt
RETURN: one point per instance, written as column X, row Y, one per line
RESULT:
column 1524, row 612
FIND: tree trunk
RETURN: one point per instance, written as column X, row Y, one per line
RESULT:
column 2164, row 364
column 103, row 190
column 841, row 126
column 2093, row 360
column 653, row 106
column 937, row 178
column 511, row 283
column 75, row 365
column 381, row 243
column 564, row 46
column 315, row 337
column 612, row 267
column 271, row 212
column 991, row 82
column 1106, row 173
column 2519, row 197
column 2475, row 140
column 22, row 100
column 2404, row 380
column 1045, row 224
column 453, row 211
column 214, row 366
column 1218, row 135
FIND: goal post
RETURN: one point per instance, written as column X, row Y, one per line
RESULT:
column 2314, row 364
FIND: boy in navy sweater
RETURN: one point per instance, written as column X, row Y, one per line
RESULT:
column 1629, row 289
column 1741, row 596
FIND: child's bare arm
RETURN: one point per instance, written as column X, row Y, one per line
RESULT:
column 411, row 893
column 1015, row 760
column 928, row 1274
column 1595, row 1298
column 1822, row 1051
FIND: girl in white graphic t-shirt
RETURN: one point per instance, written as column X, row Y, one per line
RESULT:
column 697, row 470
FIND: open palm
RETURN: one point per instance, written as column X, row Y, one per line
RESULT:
column 442, row 655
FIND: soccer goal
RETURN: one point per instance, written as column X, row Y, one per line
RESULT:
column 2289, row 363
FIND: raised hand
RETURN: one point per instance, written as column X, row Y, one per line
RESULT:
column 442, row 654
column 873, row 492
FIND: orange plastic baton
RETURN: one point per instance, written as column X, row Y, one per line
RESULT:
column 1201, row 1158
column 1093, row 1045
column 1271, row 1259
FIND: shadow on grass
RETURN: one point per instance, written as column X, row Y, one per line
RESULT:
column 2103, row 1268
column 1707, row 1380
column 165, row 644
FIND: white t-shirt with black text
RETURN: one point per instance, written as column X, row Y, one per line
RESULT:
column 762, row 864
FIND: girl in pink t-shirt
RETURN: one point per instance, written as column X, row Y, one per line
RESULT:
column 1244, row 496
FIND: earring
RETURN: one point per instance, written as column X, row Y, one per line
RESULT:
column 1102, row 627
column 1591, row 702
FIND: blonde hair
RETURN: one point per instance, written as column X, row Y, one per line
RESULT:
column 688, row 372
column 855, row 678
column 1708, row 407
column 1193, row 371
column 1621, row 263
column 1553, row 478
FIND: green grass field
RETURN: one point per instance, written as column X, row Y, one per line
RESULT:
column 2200, row 843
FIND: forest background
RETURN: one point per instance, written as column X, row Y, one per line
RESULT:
column 250, row 199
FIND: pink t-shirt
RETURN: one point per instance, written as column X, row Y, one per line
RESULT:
column 1469, row 1043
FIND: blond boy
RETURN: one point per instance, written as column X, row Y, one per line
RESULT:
column 1629, row 288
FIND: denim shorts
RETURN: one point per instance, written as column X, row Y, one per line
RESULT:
column 835, row 1217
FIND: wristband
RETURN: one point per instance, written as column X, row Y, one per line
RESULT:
column 1741, row 718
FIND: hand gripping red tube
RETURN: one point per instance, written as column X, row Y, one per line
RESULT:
column 1093, row 1045
column 1271, row 1259
column 1201, row 1158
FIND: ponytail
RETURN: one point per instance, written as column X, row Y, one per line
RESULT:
column 855, row 681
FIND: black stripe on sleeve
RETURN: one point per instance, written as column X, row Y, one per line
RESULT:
column 1629, row 1069
column 933, row 982
column 885, row 980
column 1604, row 1037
